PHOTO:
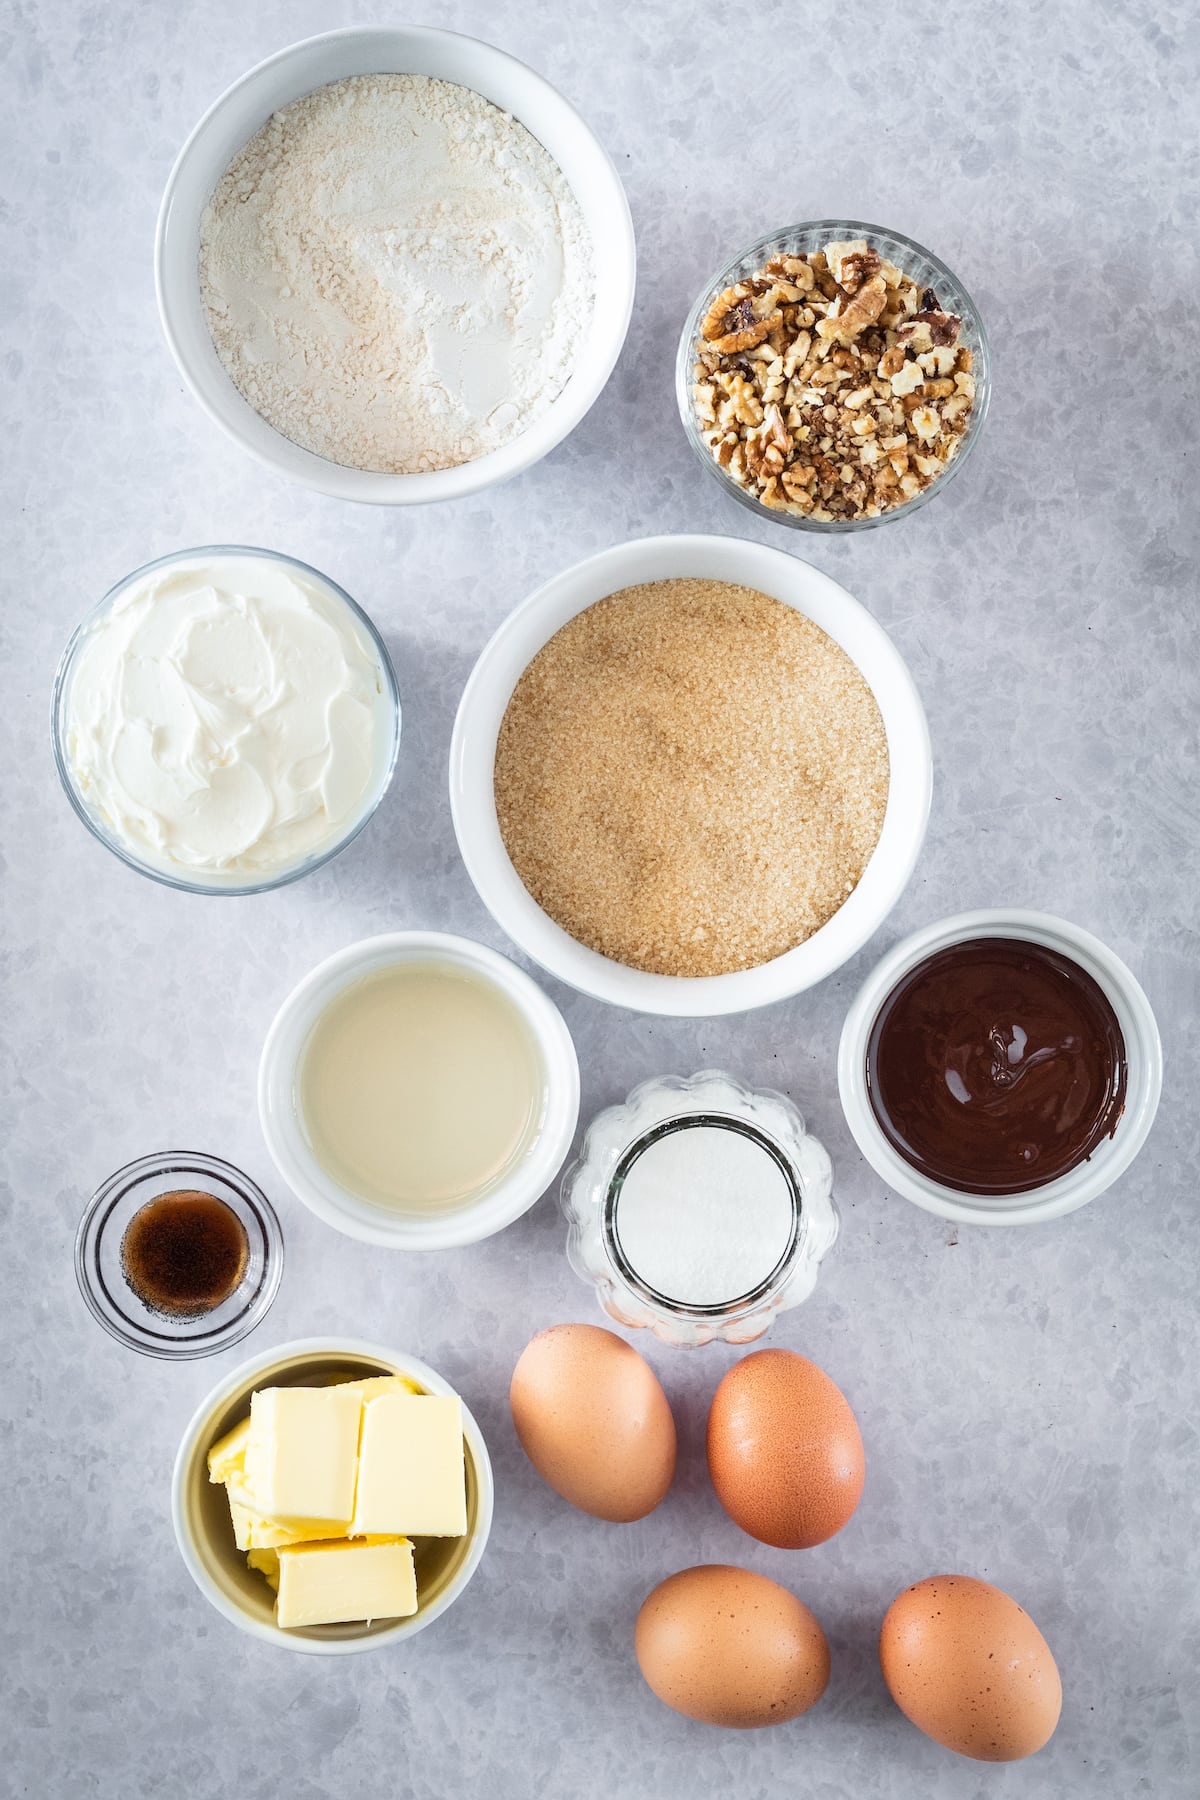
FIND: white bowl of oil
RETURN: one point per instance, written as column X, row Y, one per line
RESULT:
column 418, row 1090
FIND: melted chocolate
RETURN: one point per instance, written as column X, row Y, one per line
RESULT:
column 184, row 1253
column 996, row 1066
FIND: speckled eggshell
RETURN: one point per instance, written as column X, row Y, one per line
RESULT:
column 784, row 1450
column 728, row 1647
column 594, row 1421
column 970, row 1668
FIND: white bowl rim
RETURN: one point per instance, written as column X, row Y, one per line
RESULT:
column 1144, row 1060
column 324, row 1347
column 513, row 1196
column 472, row 755
column 374, row 487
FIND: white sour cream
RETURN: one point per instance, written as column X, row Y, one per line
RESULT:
column 229, row 718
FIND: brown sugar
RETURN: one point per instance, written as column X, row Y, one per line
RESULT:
column 691, row 777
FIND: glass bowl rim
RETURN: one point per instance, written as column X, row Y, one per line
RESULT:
column 110, row 841
column 685, row 358
column 165, row 1162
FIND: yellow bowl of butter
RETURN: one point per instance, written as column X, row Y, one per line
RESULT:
column 331, row 1426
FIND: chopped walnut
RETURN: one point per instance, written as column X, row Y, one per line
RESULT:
column 852, row 264
column 831, row 385
column 938, row 362
column 907, row 378
column 794, row 269
column 859, row 268
column 835, row 254
column 740, row 318
column 769, row 448
column 742, row 407
column 943, row 327
column 843, row 323
column 746, row 330
column 929, row 330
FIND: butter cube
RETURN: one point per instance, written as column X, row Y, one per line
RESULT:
column 298, row 1448
column 252, row 1533
column 328, row 1584
column 410, row 1468
column 239, row 1490
column 227, row 1456
column 270, row 1531
column 242, row 1519
column 267, row 1563
column 371, row 1386
column 265, row 1534
column 301, row 1456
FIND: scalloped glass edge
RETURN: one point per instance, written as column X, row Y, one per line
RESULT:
column 586, row 1181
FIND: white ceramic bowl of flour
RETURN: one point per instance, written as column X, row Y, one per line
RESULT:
column 301, row 69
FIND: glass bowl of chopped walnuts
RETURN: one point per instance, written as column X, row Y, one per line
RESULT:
column 835, row 375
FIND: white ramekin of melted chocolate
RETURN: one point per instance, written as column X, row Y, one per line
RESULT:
column 1000, row 1067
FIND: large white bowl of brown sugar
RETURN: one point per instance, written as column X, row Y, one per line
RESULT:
column 690, row 775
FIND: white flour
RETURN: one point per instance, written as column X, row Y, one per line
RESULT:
column 396, row 274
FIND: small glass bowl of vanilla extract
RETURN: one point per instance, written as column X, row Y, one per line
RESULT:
column 179, row 1255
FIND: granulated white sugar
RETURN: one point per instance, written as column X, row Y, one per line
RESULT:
column 704, row 1215
column 396, row 274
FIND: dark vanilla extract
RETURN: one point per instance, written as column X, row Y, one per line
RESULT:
column 184, row 1253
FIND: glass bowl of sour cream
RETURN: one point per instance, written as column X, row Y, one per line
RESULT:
column 225, row 720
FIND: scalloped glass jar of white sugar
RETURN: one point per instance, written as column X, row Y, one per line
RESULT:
column 700, row 1208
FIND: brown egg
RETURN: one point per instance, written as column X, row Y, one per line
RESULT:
column 970, row 1669
column 593, row 1421
column 728, row 1647
column 784, row 1450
